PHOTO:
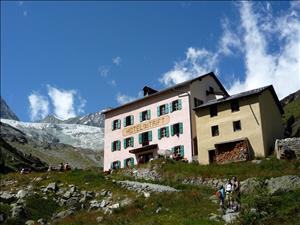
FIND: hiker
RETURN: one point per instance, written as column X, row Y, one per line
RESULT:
column 236, row 191
column 228, row 189
column 61, row 167
column 67, row 167
column 221, row 195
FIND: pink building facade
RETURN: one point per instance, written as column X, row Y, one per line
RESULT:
column 161, row 122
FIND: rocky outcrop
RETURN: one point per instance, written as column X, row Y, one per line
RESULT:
column 282, row 184
column 145, row 187
column 288, row 148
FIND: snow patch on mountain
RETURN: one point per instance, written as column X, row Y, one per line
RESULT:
column 72, row 134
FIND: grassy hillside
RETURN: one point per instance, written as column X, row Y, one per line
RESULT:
column 192, row 205
column 292, row 109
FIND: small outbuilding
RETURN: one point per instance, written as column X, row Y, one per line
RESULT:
column 239, row 127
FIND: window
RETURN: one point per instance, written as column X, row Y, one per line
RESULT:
column 178, row 152
column 128, row 120
column 128, row 142
column 162, row 110
column 145, row 115
column 128, row 162
column 237, row 125
column 215, row 131
column 177, row 129
column 115, row 146
column 197, row 102
column 163, row 132
column 116, row 124
column 213, row 110
column 210, row 91
column 145, row 138
column 235, row 106
column 175, row 105
column 115, row 165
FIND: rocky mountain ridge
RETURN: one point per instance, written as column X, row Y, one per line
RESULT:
column 6, row 112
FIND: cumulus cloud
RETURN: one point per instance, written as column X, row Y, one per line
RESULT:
column 39, row 106
column 104, row 70
column 122, row 98
column 63, row 102
column 258, row 31
column 197, row 61
column 280, row 68
column 117, row 60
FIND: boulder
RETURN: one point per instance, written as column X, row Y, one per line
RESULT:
column 250, row 185
column 30, row 222
column 283, row 184
column 42, row 221
column 52, row 187
column 7, row 197
column 99, row 219
column 21, row 194
column 17, row 211
column 63, row 214
column 146, row 194
column 114, row 206
column 230, row 217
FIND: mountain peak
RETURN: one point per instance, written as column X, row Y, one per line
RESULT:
column 6, row 112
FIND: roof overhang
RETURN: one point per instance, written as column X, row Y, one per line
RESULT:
column 144, row 148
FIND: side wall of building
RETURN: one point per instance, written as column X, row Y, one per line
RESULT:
column 271, row 121
column 198, row 90
column 151, row 104
column 249, row 115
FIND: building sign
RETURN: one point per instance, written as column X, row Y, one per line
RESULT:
column 147, row 125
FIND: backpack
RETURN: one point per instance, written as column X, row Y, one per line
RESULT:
column 218, row 194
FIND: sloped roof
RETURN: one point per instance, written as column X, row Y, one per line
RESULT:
column 170, row 88
column 244, row 95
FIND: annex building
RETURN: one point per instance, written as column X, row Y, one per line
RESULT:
column 160, row 122
column 239, row 127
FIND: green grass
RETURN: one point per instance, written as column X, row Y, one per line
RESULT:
column 173, row 171
column 292, row 109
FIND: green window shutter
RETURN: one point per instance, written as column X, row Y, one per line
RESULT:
column 125, row 163
column 132, row 161
column 158, row 111
column 141, row 118
column 131, row 120
column 149, row 114
column 181, row 128
column 119, row 124
column 159, row 134
column 140, row 138
column 112, row 125
column 167, row 131
column 124, row 122
column 172, row 130
column 112, row 165
column 132, row 143
column 179, row 104
column 181, row 150
column 112, row 146
column 119, row 164
column 172, row 149
column 150, row 135
column 118, row 145
column 124, row 143
column 167, row 108
column 171, row 107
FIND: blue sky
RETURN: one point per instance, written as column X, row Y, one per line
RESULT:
column 72, row 58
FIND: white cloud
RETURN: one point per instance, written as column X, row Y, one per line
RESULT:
column 196, row 62
column 63, row 102
column 104, row 70
column 254, row 38
column 280, row 68
column 39, row 106
column 117, row 60
column 25, row 13
column 122, row 98
column 113, row 82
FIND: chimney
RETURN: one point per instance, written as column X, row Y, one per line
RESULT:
column 148, row 91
